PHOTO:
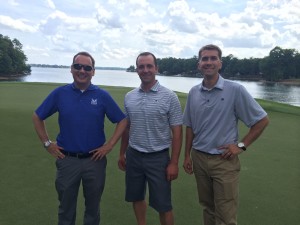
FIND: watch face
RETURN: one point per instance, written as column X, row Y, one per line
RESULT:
column 47, row 143
column 241, row 145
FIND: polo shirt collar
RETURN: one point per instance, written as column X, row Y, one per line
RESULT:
column 91, row 87
column 154, row 88
column 218, row 85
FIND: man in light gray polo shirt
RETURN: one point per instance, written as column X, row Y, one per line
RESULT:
column 211, row 117
column 155, row 125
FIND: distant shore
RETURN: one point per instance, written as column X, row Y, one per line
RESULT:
column 290, row 82
column 12, row 77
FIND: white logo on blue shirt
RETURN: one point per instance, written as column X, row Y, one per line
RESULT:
column 94, row 102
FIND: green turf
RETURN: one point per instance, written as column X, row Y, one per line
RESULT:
column 269, row 186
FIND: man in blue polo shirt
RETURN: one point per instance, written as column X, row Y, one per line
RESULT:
column 211, row 116
column 80, row 147
column 155, row 125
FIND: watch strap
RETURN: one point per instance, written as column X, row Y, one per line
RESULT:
column 47, row 144
column 242, row 146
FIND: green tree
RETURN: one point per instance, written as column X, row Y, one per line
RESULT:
column 172, row 66
column 12, row 58
column 272, row 65
column 191, row 66
column 130, row 69
column 297, row 65
column 280, row 64
column 289, row 63
column 232, row 68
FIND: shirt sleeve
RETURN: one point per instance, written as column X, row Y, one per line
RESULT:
column 247, row 108
column 113, row 111
column 186, row 114
column 48, row 106
column 175, row 111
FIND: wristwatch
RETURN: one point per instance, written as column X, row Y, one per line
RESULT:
column 47, row 144
column 242, row 146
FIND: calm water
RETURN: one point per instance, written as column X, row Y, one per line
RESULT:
column 274, row 92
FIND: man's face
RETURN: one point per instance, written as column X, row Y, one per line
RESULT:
column 146, row 69
column 209, row 64
column 82, row 71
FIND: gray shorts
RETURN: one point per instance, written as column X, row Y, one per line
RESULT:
column 143, row 168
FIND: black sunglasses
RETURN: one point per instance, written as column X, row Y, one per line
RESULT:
column 85, row 67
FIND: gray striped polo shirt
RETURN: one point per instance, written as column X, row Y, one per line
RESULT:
column 151, row 115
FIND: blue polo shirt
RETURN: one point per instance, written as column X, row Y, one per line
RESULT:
column 213, row 114
column 81, row 116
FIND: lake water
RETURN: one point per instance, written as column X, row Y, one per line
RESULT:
column 274, row 92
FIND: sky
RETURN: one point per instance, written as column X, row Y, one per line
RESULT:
column 116, row 31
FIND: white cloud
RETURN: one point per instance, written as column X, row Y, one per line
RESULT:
column 50, row 4
column 149, row 29
column 60, row 22
column 13, row 3
column 294, row 29
column 17, row 24
column 116, row 31
column 182, row 18
column 108, row 19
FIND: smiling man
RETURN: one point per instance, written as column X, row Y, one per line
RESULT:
column 80, row 148
column 154, row 128
column 212, row 146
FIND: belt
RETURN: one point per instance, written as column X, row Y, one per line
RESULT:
column 77, row 155
column 150, row 153
column 205, row 153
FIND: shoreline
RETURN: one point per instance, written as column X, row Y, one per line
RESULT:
column 295, row 82
column 12, row 77
column 292, row 82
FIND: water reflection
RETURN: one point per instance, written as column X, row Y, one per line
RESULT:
column 279, row 93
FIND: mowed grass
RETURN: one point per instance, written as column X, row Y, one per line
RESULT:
column 269, row 182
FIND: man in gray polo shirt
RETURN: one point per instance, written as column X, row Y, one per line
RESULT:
column 211, row 117
column 155, row 125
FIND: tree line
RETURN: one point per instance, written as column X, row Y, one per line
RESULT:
column 63, row 66
column 12, row 58
column 280, row 64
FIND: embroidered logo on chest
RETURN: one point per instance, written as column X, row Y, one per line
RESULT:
column 94, row 102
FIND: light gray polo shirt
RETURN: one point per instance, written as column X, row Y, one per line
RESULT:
column 151, row 115
column 213, row 114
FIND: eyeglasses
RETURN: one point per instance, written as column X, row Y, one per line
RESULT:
column 80, row 66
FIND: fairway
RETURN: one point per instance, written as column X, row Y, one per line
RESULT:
column 269, row 182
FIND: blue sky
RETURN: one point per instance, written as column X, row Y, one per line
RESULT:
column 116, row 31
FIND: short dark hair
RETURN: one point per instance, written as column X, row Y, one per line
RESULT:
column 210, row 47
column 145, row 54
column 85, row 54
